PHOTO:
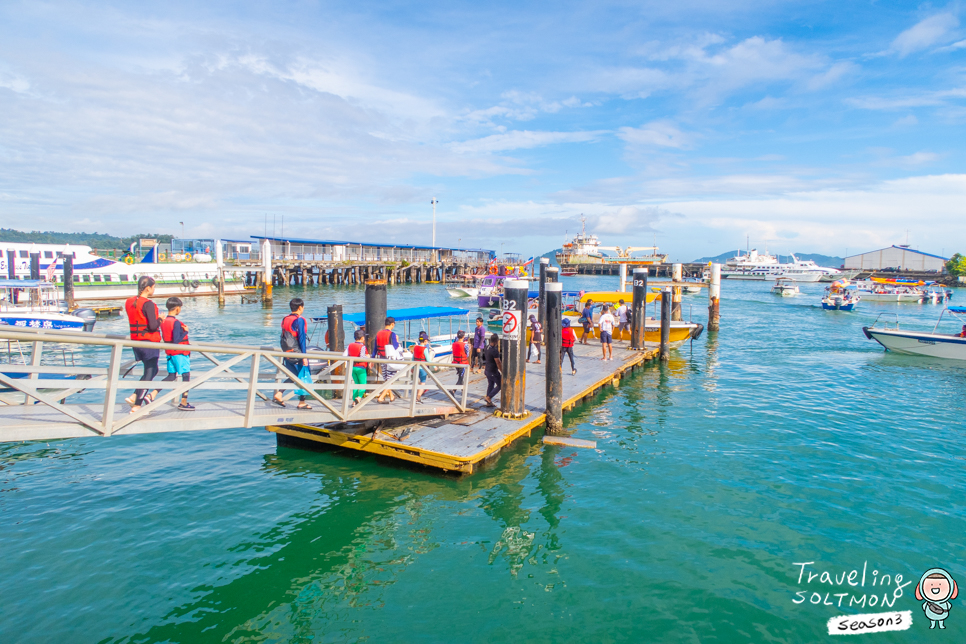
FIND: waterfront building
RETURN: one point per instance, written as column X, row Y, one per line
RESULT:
column 896, row 258
column 357, row 251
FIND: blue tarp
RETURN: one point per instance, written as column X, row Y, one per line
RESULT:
column 957, row 309
column 401, row 315
column 20, row 283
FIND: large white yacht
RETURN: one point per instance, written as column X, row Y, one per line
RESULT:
column 756, row 266
column 100, row 278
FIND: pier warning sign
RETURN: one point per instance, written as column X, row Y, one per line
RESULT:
column 512, row 320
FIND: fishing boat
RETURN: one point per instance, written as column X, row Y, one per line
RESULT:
column 785, row 287
column 838, row 297
column 932, row 344
column 36, row 304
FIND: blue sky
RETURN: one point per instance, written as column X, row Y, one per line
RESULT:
column 804, row 126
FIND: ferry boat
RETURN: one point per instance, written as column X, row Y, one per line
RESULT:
column 100, row 278
column 35, row 304
column 932, row 344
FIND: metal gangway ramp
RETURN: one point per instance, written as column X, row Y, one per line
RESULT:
column 73, row 384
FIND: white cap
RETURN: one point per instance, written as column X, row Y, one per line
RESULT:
column 524, row 284
column 554, row 286
column 544, row 260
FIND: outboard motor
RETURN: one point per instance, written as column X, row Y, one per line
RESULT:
column 696, row 331
column 88, row 316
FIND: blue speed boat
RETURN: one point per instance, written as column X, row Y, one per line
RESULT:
column 35, row 304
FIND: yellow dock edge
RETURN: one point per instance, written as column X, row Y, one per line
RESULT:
column 396, row 449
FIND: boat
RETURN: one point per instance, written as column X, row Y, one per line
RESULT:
column 680, row 331
column 409, row 322
column 838, row 297
column 466, row 288
column 785, row 287
column 568, row 273
column 936, row 294
column 36, row 304
column 756, row 266
column 886, row 291
column 585, row 249
column 932, row 344
column 806, row 270
column 100, row 278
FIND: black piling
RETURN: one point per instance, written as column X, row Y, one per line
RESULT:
column 335, row 336
column 35, row 266
column 69, row 282
column 375, row 312
column 513, row 349
column 553, row 275
column 542, row 307
column 12, row 264
column 666, row 302
column 552, row 337
column 638, row 306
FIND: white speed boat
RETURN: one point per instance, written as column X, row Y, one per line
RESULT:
column 785, row 287
column 919, row 343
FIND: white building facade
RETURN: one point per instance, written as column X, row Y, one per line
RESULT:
column 900, row 258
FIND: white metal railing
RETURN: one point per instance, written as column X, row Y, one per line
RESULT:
column 235, row 373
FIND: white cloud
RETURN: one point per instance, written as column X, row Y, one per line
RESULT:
column 523, row 139
column 656, row 134
column 906, row 121
column 924, row 34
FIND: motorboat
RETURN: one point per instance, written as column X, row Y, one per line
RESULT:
column 785, row 287
column 568, row 273
column 680, row 331
column 932, row 344
column 936, row 294
column 879, row 290
column 36, row 304
column 838, row 297
column 466, row 288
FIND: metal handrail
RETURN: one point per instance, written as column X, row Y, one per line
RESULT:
column 220, row 376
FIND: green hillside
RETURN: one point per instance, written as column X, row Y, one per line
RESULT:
column 94, row 240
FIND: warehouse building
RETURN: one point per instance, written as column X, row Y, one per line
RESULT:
column 896, row 258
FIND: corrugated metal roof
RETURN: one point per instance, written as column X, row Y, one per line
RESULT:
column 908, row 250
column 339, row 242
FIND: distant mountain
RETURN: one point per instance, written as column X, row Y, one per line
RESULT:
column 822, row 260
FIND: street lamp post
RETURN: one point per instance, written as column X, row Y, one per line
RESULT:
column 434, row 202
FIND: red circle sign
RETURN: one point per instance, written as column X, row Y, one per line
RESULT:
column 509, row 323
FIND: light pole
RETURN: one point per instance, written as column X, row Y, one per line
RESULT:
column 182, row 229
column 434, row 202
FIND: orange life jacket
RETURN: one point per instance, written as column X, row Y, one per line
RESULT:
column 419, row 353
column 383, row 338
column 167, row 334
column 290, row 339
column 138, row 321
column 459, row 353
column 356, row 349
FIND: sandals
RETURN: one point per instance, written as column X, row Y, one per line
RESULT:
column 185, row 406
column 303, row 406
column 276, row 401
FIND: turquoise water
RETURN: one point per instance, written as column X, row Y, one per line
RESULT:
column 785, row 438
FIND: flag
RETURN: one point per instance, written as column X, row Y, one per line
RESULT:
column 527, row 263
column 51, row 267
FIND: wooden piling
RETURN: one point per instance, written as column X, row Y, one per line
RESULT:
column 513, row 349
column 267, row 274
column 714, row 296
column 376, row 306
column 69, row 282
column 677, row 275
column 220, row 267
column 666, row 325
column 552, row 337
column 542, row 305
column 336, row 333
column 638, row 304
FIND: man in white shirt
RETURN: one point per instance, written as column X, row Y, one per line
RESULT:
column 606, row 322
column 622, row 320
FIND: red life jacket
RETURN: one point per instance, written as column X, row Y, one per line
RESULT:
column 419, row 353
column 459, row 353
column 568, row 337
column 383, row 338
column 356, row 350
column 167, row 334
column 290, row 338
column 138, row 321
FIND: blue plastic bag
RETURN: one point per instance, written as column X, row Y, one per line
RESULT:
column 305, row 375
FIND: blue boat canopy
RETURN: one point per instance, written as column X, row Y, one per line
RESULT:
column 21, row 283
column 957, row 309
column 401, row 315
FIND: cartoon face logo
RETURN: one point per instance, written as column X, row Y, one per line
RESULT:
column 936, row 588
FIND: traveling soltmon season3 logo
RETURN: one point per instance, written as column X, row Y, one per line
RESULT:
column 864, row 589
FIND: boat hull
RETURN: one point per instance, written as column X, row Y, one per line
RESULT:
column 919, row 344
column 870, row 296
column 42, row 320
column 831, row 306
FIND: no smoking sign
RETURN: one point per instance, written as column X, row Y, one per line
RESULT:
column 511, row 325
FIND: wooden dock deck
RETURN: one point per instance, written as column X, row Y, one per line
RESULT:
column 461, row 442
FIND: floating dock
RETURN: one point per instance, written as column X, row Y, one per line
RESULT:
column 462, row 442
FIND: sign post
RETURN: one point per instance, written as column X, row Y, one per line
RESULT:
column 513, row 348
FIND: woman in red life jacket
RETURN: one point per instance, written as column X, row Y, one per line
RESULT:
column 567, row 340
column 294, row 339
column 421, row 354
column 174, row 331
column 359, row 369
column 385, row 339
column 460, row 355
column 145, row 324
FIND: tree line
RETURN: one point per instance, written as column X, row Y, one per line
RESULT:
column 94, row 240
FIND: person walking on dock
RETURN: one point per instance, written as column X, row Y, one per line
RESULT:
column 623, row 320
column 567, row 340
column 606, row 323
column 460, row 355
column 145, row 325
column 536, row 338
column 479, row 345
column 174, row 331
column 360, row 370
column 587, row 321
column 294, row 339
column 493, row 369
column 387, row 338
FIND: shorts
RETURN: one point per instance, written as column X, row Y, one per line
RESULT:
column 422, row 374
column 179, row 364
column 143, row 355
column 605, row 337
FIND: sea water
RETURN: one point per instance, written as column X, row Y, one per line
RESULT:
column 787, row 444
